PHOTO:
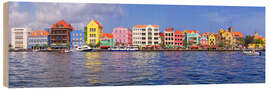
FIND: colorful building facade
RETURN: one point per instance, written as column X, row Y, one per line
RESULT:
column 204, row 40
column 94, row 31
column 60, row 35
column 145, row 35
column 38, row 39
column 212, row 40
column 122, row 36
column 237, row 36
column 192, row 38
column 256, row 44
column 179, row 38
column 107, row 40
column 226, row 37
column 76, row 39
column 169, row 37
column 19, row 38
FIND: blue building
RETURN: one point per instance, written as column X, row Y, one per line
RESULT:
column 76, row 39
column 38, row 40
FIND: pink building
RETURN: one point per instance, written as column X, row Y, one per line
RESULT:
column 122, row 36
column 204, row 40
column 179, row 38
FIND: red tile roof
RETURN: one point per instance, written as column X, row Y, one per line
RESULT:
column 39, row 33
column 64, row 23
column 107, row 34
column 99, row 25
column 178, row 32
column 238, row 33
column 144, row 26
column 190, row 31
column 169, row 29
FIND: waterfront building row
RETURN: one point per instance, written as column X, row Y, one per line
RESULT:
column 62, row 35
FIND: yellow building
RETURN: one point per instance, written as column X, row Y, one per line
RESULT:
column 94, row 32
column 226, row 37
column 212, row 40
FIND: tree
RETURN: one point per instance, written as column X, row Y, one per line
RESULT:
column 249, row 40
column 68, row 44
column 221, row 44
column 185, row 43
column 45, row 45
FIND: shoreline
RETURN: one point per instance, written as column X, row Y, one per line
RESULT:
column 145, row 50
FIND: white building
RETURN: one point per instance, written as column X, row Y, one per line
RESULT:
column 143, row 35
column 19, row 37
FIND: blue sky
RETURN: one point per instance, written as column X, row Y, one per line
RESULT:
column 202, row 18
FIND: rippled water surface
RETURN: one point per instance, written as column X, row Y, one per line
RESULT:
column 53, row 69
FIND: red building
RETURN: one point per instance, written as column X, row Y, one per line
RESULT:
column 179, row 38
column 60, row 35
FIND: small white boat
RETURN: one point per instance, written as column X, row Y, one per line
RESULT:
column 250, row 53
column 67, row 51
column 124, row 48
column 82, row 49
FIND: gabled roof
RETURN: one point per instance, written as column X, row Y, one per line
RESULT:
column 238, row 33
column 178, row 32
column 64, row 23
column 107, row 35
column 169, row 29
column 190, row 31
column 144, row 26
column 99, row 25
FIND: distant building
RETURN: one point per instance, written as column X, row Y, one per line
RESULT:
column 169, row 37
column 179, row 38
column 212, row 40
column 38, row 39
column 226, row 37
column 19, row 38
column 237, row 36
column 145, row 35
column 76, row 39
column 192, row 38
column 204, row 40
column 60, row 35
column 106, row 40
column 94, row 31
column 122, row 36
column 161, row 37
column 259, row 41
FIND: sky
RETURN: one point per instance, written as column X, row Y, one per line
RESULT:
column 38, row 16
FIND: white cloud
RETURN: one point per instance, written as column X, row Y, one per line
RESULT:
column 46, row 14
column 16, row 17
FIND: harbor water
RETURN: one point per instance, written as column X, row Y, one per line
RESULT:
column 55, row 69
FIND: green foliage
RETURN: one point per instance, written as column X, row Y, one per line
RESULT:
column 185, row 42
column 221, row 44
column 249, row 40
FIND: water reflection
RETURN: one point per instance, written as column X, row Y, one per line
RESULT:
column 94, row 64
column 45, row 69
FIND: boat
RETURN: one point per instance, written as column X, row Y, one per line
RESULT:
column 67, row 51
column 250, row 53
column 124, row 48
column 84, row 48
